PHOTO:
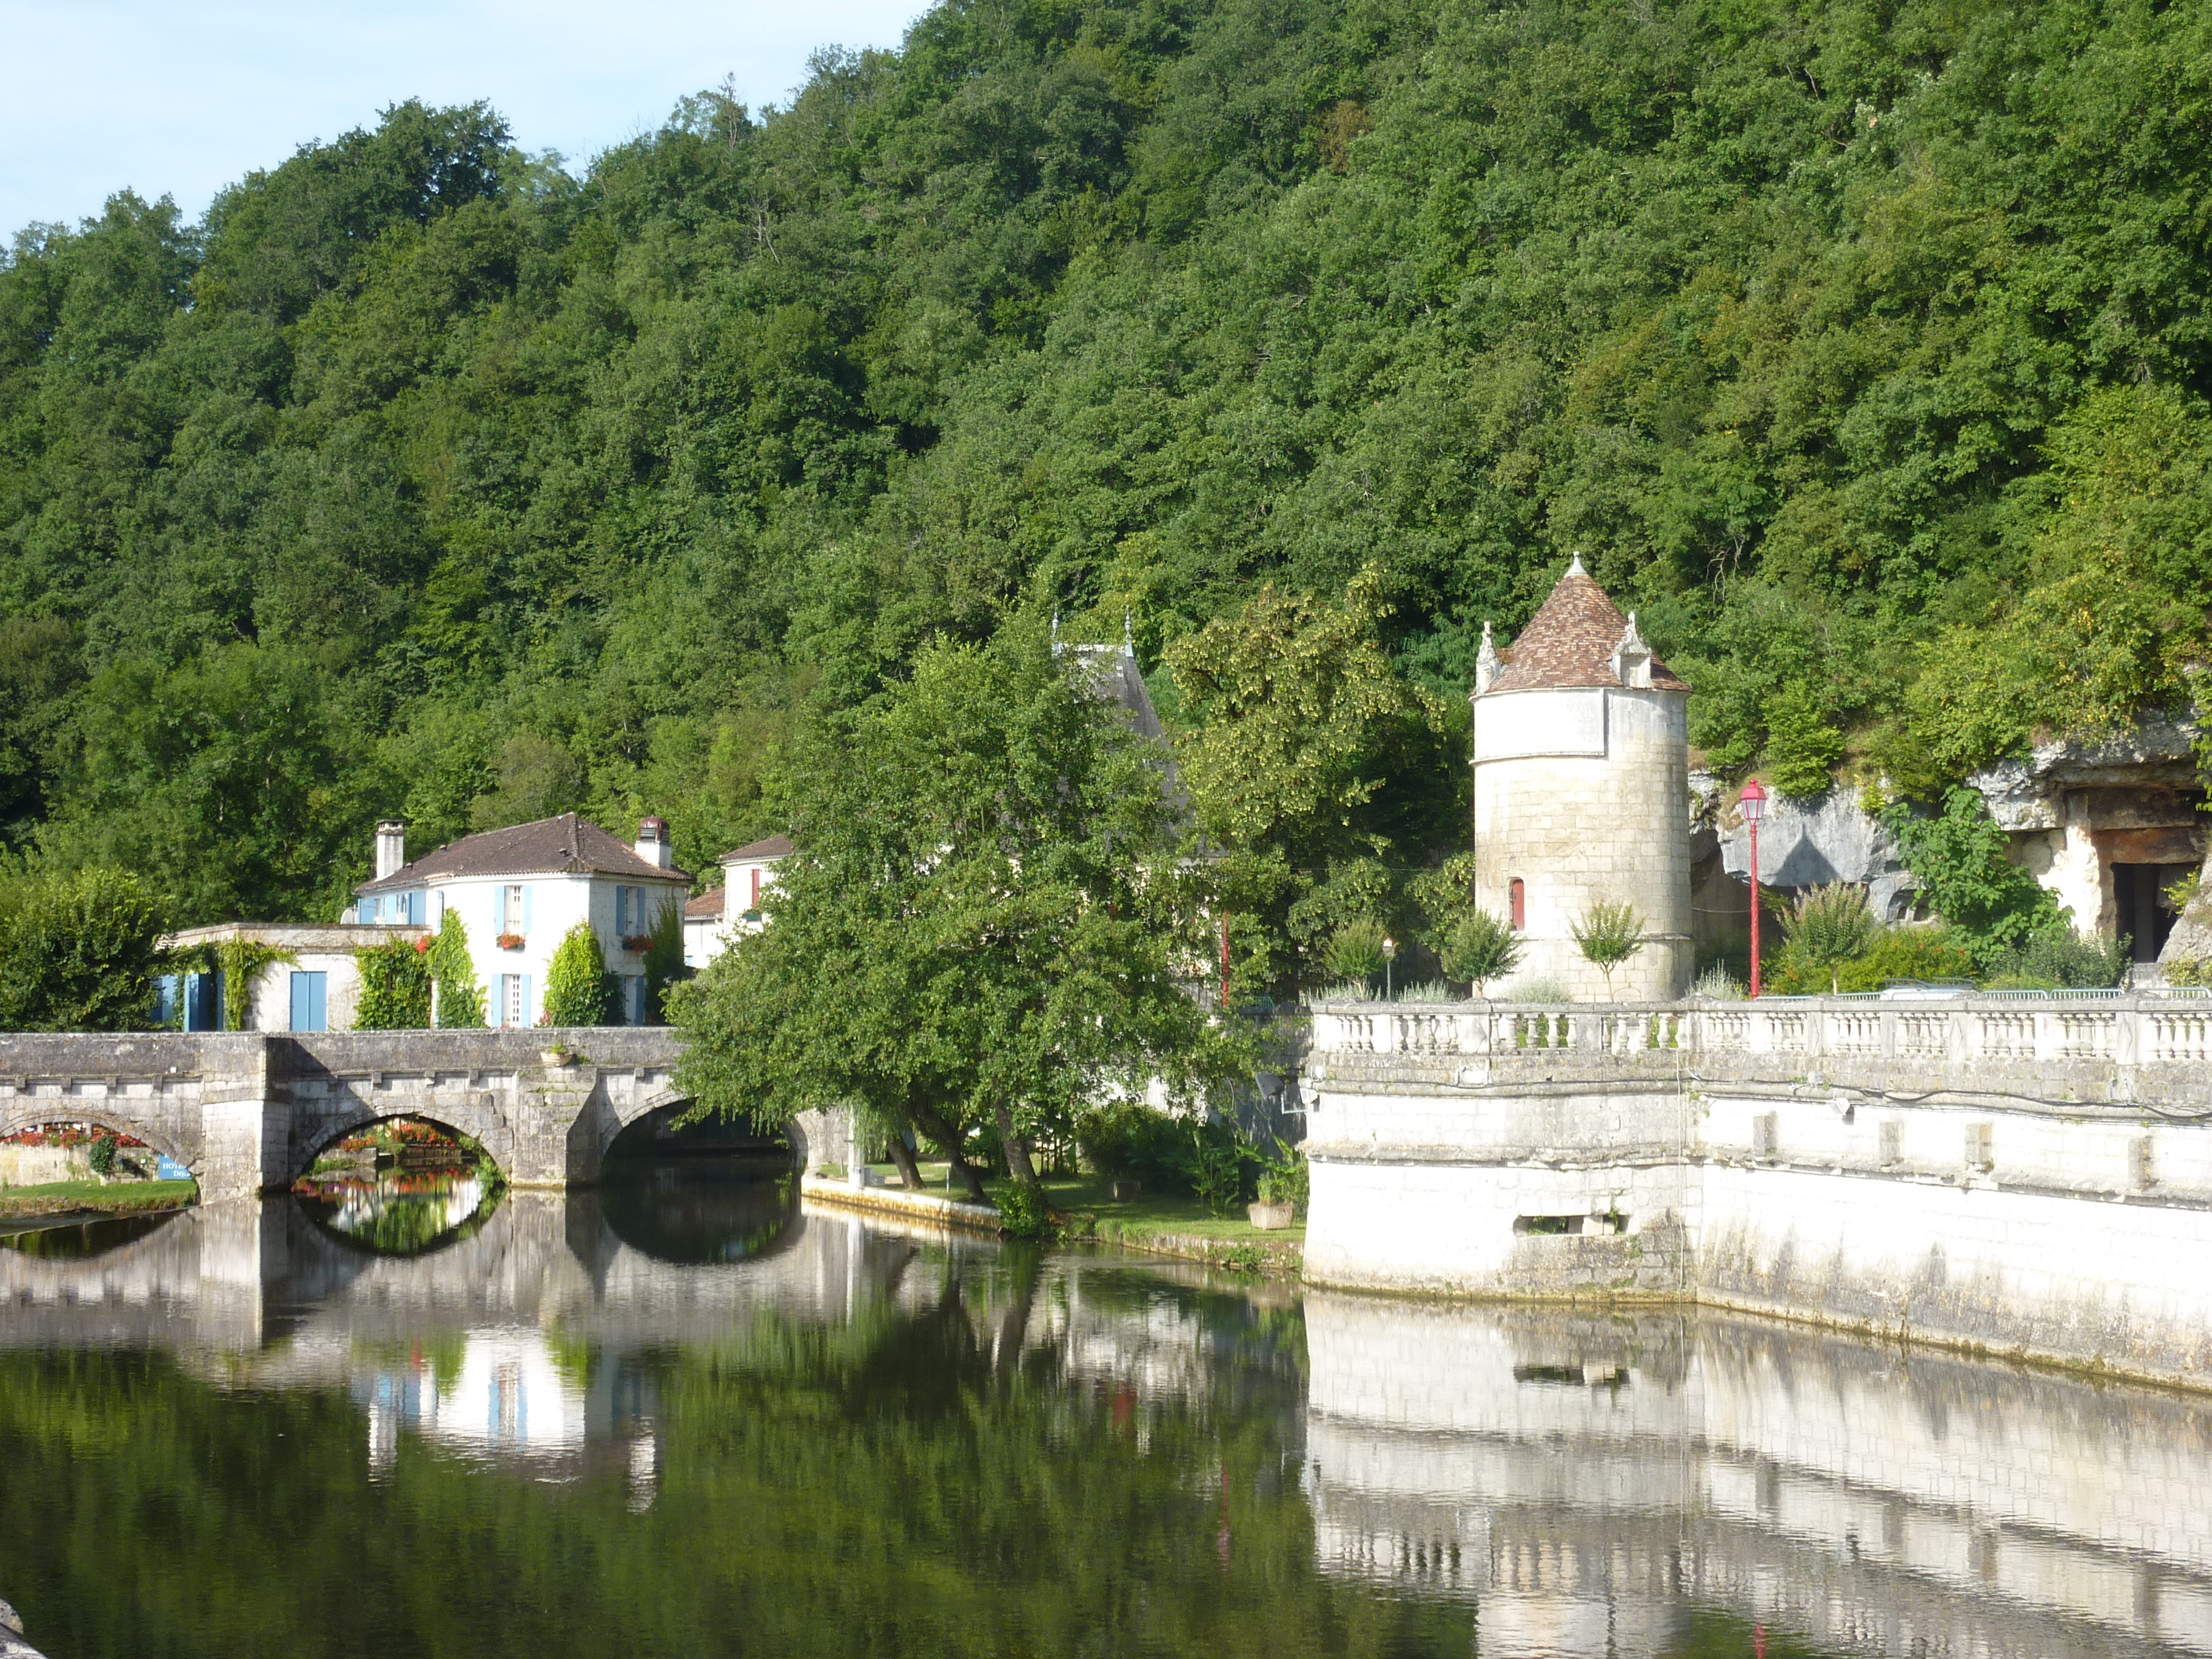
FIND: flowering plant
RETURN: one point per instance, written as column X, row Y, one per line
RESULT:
column 510, row 941
column 636, row 941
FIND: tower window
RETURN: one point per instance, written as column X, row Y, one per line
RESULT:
column 1519, row 901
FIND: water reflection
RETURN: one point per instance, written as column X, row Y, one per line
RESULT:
column 683, row 1417
column 399, row 1214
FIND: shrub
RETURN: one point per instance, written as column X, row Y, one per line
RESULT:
column 395, row 988
column 460, row 1000
column 1130, row 1140
column 1478, row 948
column 1541, row 990
column 1213, row 1165
column 1356, row 952
column 1608, row 934
column 103, row 1156
column 2060, row 959
column 1829, row 927
column 578, row 989
column 1022, row 1212
column 1719, row 984
column 1285, row 1173
column 78, row 952
column 1892, row 954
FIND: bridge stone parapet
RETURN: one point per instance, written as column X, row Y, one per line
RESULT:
column 247, row 1112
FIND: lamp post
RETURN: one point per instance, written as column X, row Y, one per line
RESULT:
column 1753, row 802
column 1389, row 956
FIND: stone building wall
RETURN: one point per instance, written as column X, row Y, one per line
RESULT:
column 1583, row 795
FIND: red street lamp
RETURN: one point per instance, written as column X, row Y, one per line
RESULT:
column 1753, row 802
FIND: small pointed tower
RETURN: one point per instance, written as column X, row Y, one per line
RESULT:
column 1582, row 791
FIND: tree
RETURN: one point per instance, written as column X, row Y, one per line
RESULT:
column 459, row 1003
column 1608, row 934
column 1958, row 858
column 1829, row 927
column 1301, row 721
column 78, row 951
column 1478, row 948
column 578, row 989
column 984, row 923
column 663, row 960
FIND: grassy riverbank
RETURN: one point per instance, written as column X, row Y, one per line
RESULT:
column 111, row 1197
column 1164, row 1224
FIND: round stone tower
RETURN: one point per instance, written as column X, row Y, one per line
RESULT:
column 1582, row 792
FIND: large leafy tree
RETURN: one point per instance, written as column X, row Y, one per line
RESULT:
column 78, row 951
column 985, row 924
column 1299, row 723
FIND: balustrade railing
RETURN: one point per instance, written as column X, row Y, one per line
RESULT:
column 2123, row 1029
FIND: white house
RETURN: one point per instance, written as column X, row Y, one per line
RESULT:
column 713, row 920
column 315, row 986
column 519, row 890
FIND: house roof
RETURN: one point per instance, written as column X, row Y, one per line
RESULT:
column 566, row 846
column 1569, row 642
column 774, row 846
column 707, row 907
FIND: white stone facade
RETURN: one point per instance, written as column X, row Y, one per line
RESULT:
column 1583, row 795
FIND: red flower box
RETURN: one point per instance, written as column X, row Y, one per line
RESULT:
column 511, row 941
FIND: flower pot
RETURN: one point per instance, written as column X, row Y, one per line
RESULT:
column 1122, row 1191
column 556, row 1057
column 1272, row 1217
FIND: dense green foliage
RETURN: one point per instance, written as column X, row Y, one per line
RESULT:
column 1479, row 947
column 1012, row 939
column 1958, row 855
column 579, row 990
column 395, row 987
column 1861, row 346
column 458, row 995
column 1891, row 954
column 78, row 952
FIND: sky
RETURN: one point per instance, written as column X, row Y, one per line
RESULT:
column 183, row 98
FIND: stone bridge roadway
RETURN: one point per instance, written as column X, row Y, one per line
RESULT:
column 247, row 1112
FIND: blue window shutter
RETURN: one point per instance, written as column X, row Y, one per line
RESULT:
column 622, row 903
column 526, row 1017
column 321, row 992
column 300, row 1003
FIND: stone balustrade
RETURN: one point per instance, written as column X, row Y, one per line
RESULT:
column 2124, row 1030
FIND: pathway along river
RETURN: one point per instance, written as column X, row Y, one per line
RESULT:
column 679, row 1418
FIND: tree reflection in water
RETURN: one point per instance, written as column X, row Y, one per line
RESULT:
column 400, row 1187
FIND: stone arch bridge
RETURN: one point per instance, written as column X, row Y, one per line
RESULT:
column 247, row 1112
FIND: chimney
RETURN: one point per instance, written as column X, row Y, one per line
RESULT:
column 652, row 842
column 390, row 846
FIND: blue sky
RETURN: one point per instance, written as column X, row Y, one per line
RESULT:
column 180, row 100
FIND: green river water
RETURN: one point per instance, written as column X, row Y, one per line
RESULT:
column 677, row 1417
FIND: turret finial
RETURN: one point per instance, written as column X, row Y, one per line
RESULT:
column 1575, row 568
column 1128, row 634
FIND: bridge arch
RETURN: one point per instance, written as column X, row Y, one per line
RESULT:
column 482, row 1123
column 158, row 1131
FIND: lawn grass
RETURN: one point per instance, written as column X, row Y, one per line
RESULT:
column 1085, row 1202
column 117, row 1198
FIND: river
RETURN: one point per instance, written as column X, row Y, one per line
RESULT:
column 676, row 1416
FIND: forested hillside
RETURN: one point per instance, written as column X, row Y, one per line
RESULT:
column 1864, row 347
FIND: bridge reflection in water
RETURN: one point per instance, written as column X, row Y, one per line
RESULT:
column 1576, row 1485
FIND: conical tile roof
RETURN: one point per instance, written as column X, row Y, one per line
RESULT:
column 1570, row 641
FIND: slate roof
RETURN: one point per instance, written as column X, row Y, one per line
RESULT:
column 1569, row 642
column 566, row 846
column 707, row 907
column 774, row 848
